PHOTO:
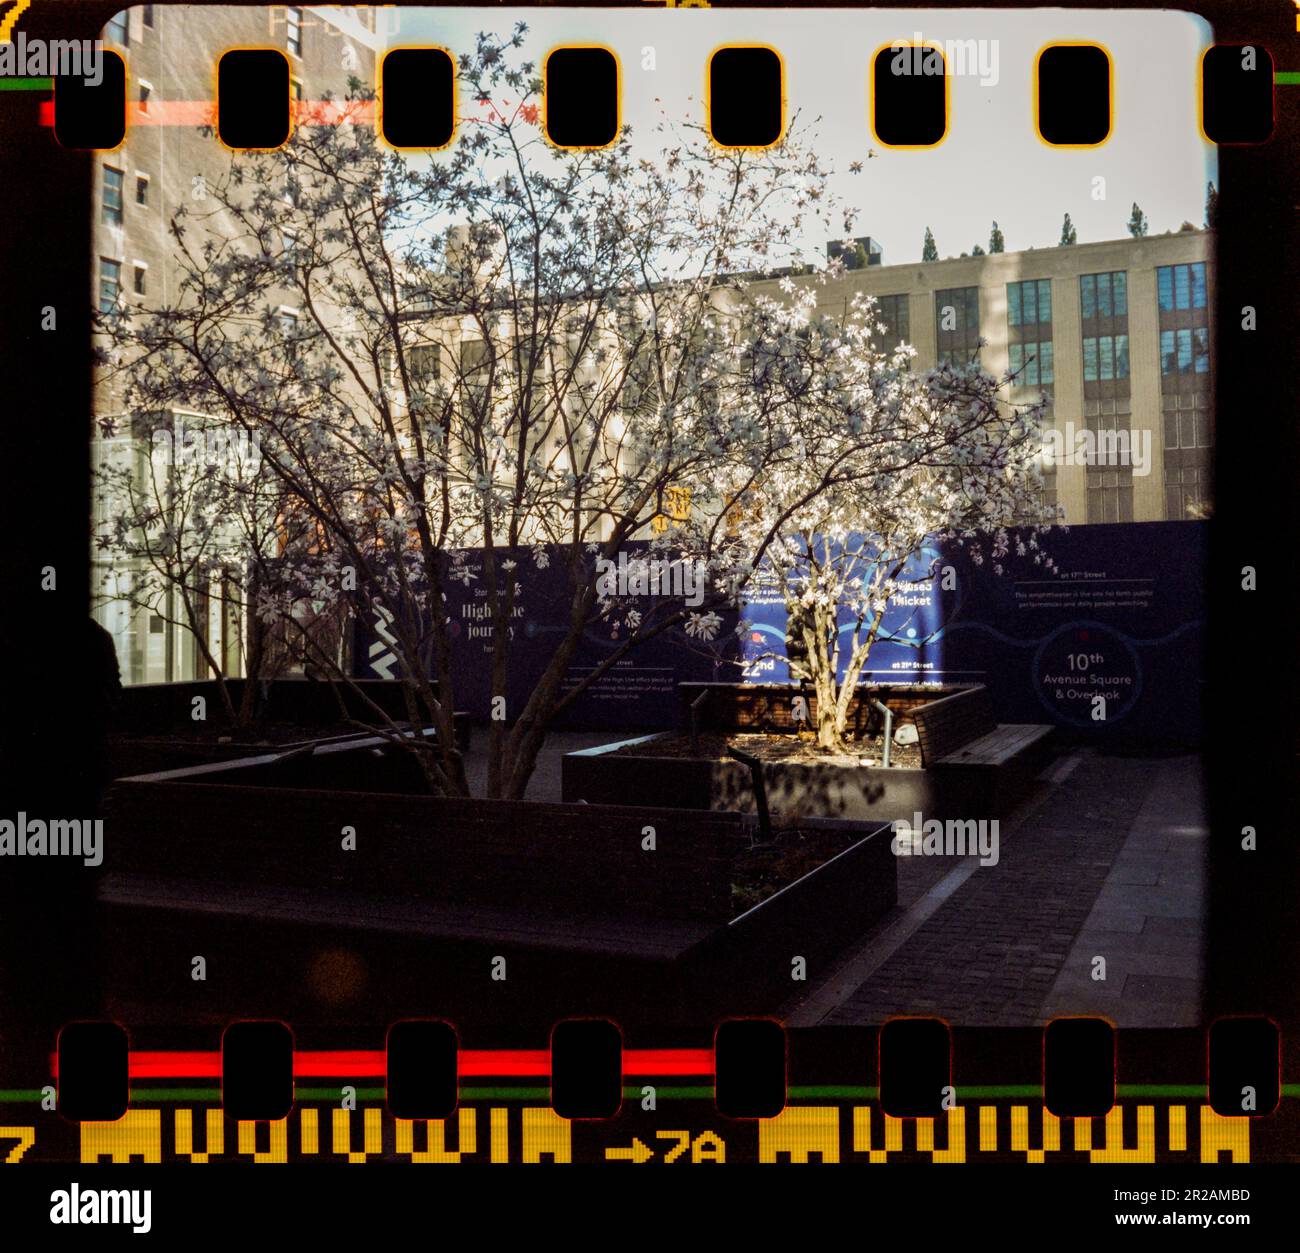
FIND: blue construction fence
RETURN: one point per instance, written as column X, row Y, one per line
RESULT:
column 1117, row 626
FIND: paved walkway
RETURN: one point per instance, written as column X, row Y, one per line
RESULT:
column 1105, row 861
column 1149, row 919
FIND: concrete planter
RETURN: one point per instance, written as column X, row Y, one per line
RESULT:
column 139, row 744
column 603, row 775
column 230, row 859
column 746, row 965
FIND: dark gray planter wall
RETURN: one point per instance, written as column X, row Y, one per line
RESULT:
column 822, row 790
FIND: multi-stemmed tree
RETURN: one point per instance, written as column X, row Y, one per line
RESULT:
column 434, row 404
column 188, row 517
column 876, row 461
column 597, row 344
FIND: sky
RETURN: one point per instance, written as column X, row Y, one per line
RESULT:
column 991, row 165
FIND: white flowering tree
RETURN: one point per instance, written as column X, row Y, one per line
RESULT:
column 874, row 461
column 450, row 364
column 186, row 516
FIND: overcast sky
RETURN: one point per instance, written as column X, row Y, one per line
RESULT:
column 991, row 165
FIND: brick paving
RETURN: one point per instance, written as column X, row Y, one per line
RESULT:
column 1148, row 921
column 1109, row 863
column 996, row 952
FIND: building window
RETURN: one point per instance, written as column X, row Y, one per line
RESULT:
column 1029, row 302
column 1200, row 350
column 1109, row 487
column 147, row 16
column 1048, row 494
column 892, row 311
column 111, row 198
column 1104, row 295
column 475, row 368
column 957, row 324
column 1185, row 351
column 1181, row 286
column 146, row 90
column 289, row 248
column 1031, row 363
column 1187, row 423
column 110, row 284
column 1105, row 357
column 1176, row 351
column 1187, row 491
column 294, row 22
column 140, row 272
column 117, row 29
column 1110, row 496
column 416, row 299
column 142, row 189
column 286, row 322
column 521, row 357
column 424, row 366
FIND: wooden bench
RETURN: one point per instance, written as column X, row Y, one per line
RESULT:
column 960, row 734
column 961, row 728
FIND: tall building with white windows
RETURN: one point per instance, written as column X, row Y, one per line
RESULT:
column 171, row 58
column 1116, row 335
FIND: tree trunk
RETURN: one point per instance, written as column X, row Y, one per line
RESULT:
column 823, row 659
column 829, row 733
column 250, row 699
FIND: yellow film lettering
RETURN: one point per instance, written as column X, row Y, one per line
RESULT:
column 708, row 1147
column 436, row 1138
column 276, row 1153
column 1020, row 1134
column 800, row 1130
column 214, row 1127
column 372, row 1134
column 138, row 1133
column 1114, row 1150
column 545, row 1134
column 862, row 1134
column 25, row 1137
column 1219, row 1134
column 956, row 1150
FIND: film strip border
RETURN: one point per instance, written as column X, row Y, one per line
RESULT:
column 510, row 1124
column 757, row 1094
column 415, row 103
